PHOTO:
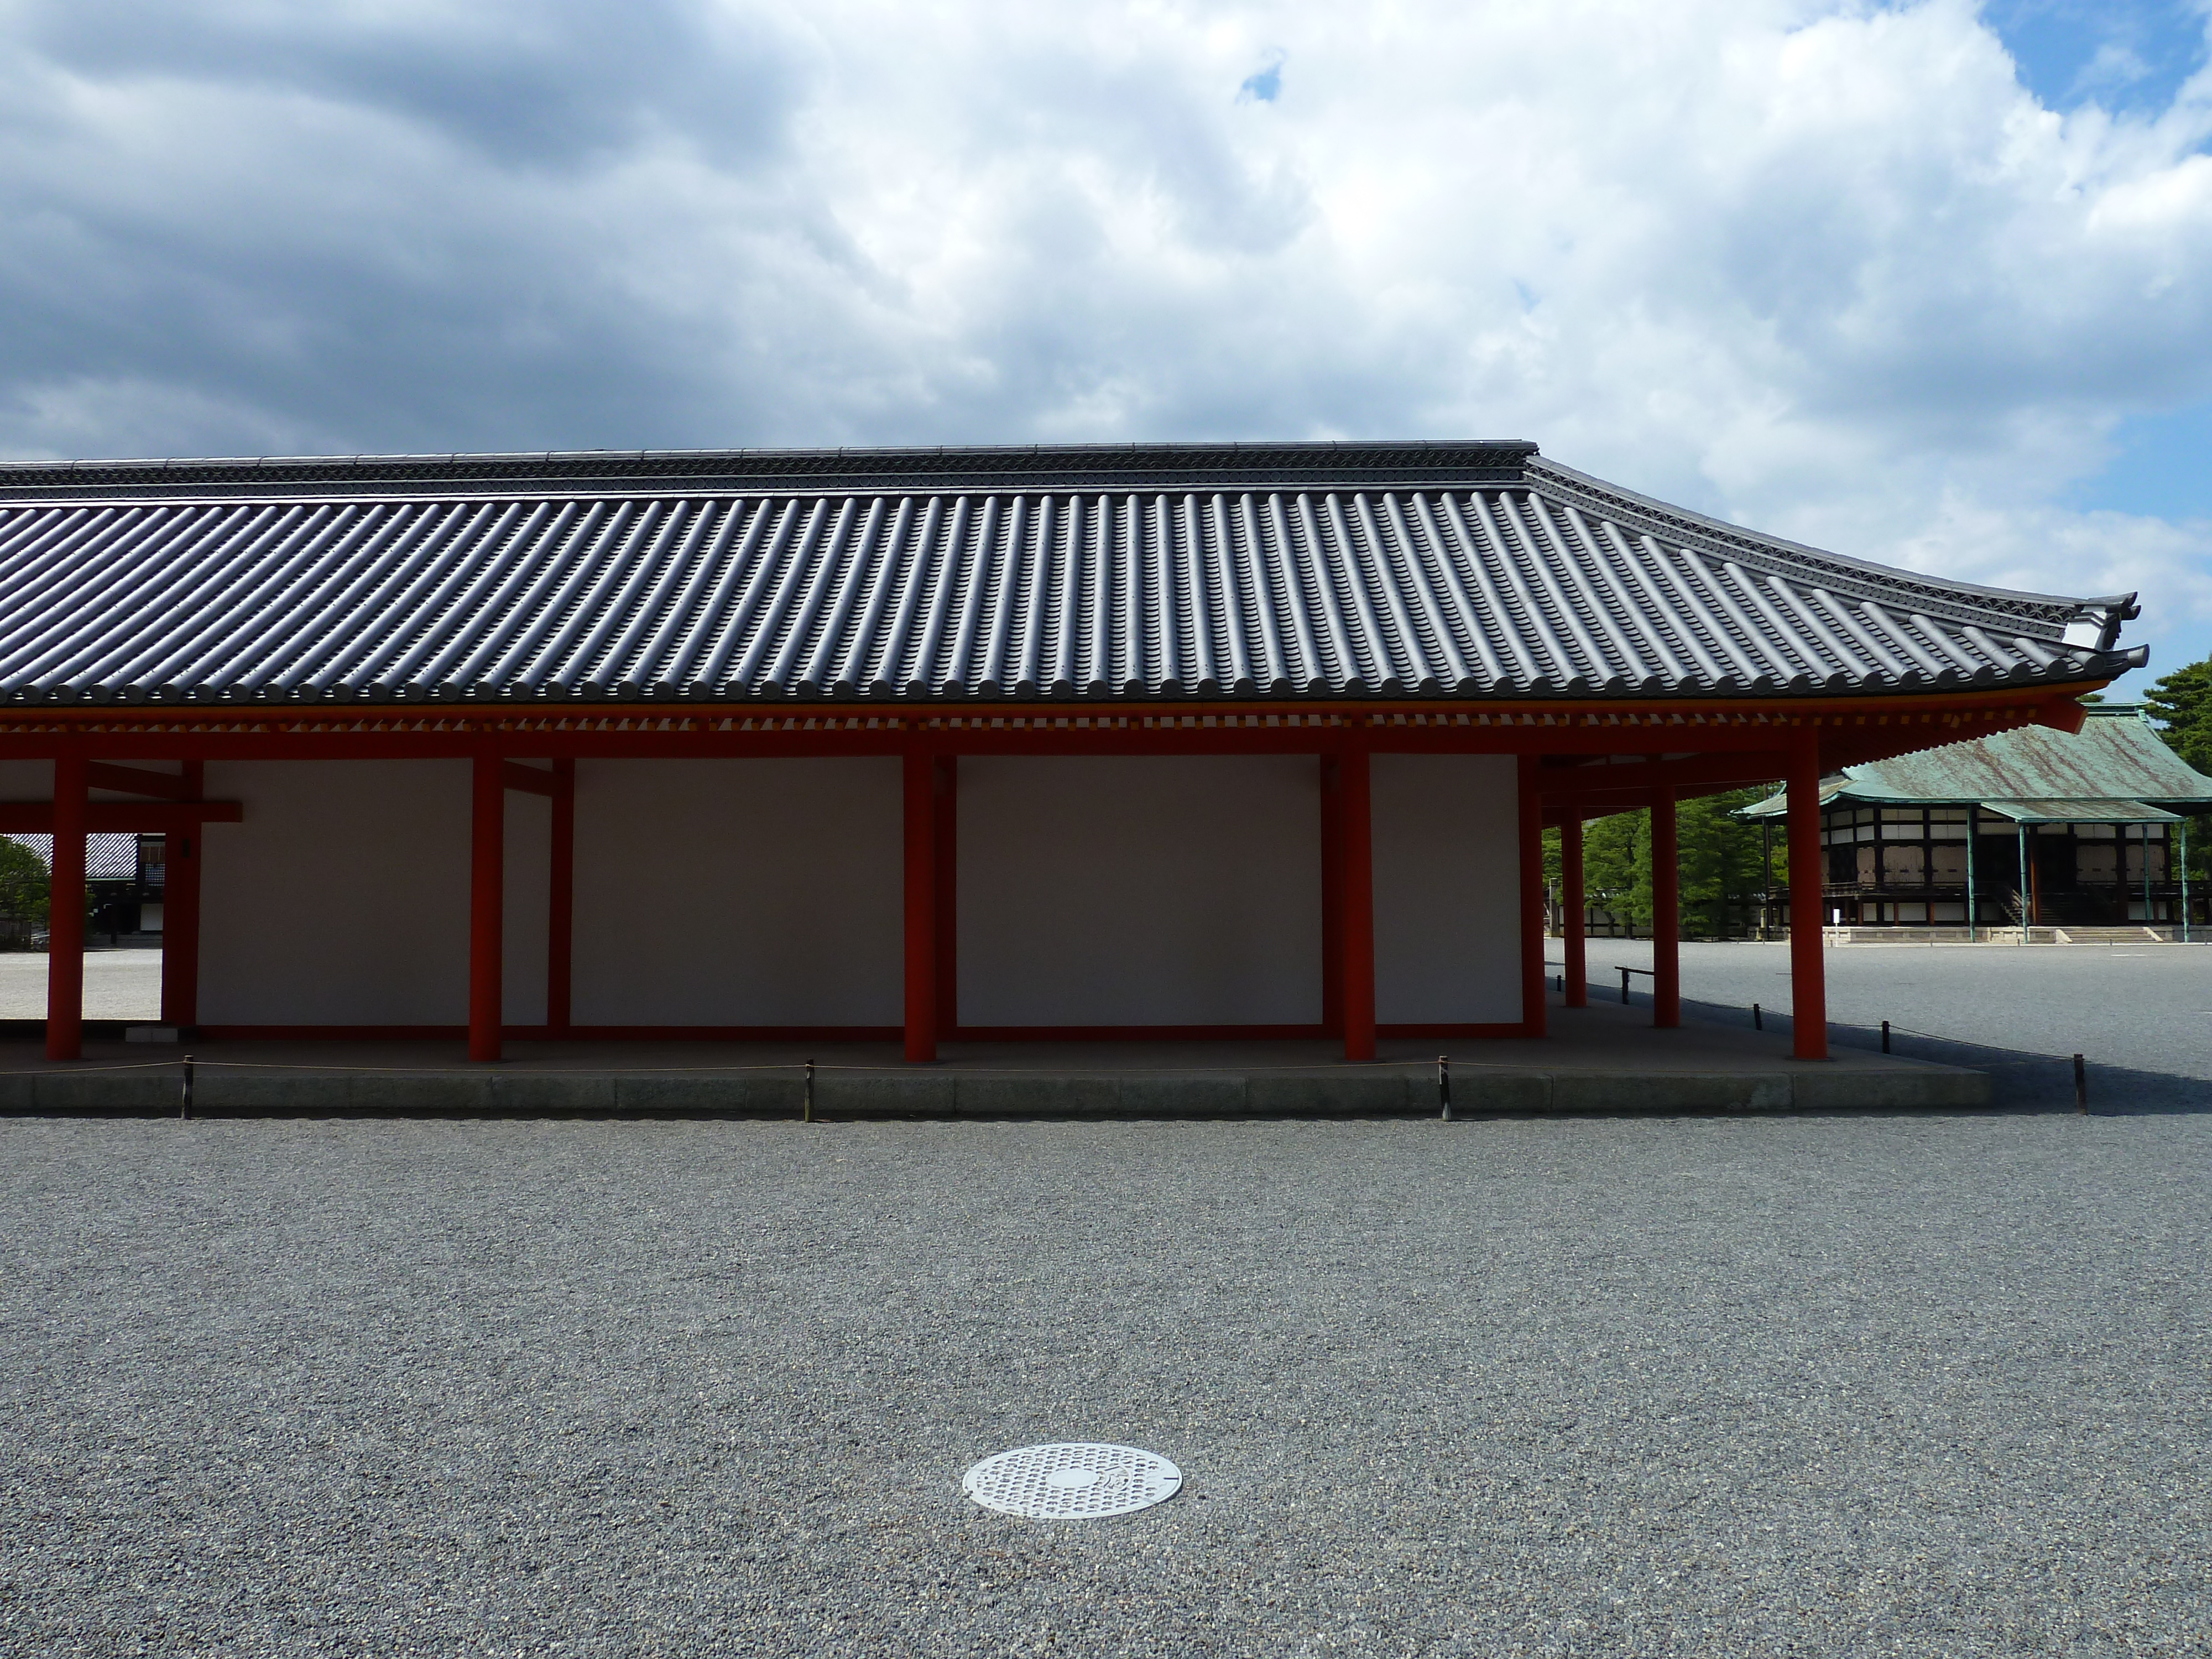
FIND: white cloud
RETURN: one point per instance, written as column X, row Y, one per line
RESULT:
column 1827, row 269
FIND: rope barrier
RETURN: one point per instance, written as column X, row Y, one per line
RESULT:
column 1969, row 1043
column 83, row 1071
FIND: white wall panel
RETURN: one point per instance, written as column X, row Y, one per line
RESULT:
column 524, row 908
column 750, row 892
column 341, row 899
column 1447, row 902
column 1121, row 890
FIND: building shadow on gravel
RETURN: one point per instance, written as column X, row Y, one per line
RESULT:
column 2023, row 1081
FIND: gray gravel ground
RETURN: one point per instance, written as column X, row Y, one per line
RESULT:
column 1869, row 1384
column 122, row 983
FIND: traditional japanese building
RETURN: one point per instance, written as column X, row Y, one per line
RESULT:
column 1203, row 740
column 2027, row 828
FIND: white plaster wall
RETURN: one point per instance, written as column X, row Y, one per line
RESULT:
column 1120, row 890
column 1447, row 899
column 742, row 892
column 343, row 897
column 525, row 908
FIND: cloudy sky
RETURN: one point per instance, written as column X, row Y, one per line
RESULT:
column 1929, row 283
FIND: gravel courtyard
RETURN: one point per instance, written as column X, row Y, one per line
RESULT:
column 1815, row 1385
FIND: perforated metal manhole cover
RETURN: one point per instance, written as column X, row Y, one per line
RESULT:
column 1074, row 1480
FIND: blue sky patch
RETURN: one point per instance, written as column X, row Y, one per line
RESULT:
column 2126, row 55
column 2163, row 467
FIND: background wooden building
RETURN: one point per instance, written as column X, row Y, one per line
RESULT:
column 2033, row 828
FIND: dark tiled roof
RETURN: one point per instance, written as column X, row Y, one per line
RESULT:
column 1464, row 570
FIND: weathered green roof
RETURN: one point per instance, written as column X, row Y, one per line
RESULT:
column 2079, row 811
column 2116, row 758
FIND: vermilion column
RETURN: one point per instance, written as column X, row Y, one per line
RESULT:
column 1572, row 918
column 561, row 902
column 1530, row 801
column 486, row 898
column 1666, row 915
column 1809, row 989
column 1332, row 897
column 921, row 875
column 947, row 918
column 65, row 915
column 1356, row 902
column 180, row 914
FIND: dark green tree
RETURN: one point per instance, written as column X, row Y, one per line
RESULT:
column 1721, row 863
column 2182, row 705
column 1722, row 869
column 23, row 888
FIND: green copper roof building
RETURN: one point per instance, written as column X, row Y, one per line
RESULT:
column 2034, row 828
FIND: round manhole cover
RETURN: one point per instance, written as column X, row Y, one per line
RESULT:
column 1074, row 1480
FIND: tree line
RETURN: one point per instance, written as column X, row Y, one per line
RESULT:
column 2181, row 703
column 1723, row 861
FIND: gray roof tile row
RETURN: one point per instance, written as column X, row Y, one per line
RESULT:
column 1335, row 571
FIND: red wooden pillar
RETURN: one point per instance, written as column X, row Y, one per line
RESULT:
column 947, row 918
column 1666, row 915
column 921, row 874
column 1573, row 920
column 1809, row 989
column 561, row 902
column 487, row 896
column 1332, row 897
column 1530, row 802
column 180, row 913
column 1356, row 904
column 65, row 914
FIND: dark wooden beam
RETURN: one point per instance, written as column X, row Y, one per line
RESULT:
column 528, row 778
column 137, row 781
column 121, row 817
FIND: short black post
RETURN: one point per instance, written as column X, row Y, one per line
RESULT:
column 184, row 1104
column 806, row 1112
column 1623, row 987
column 2080, row 1084
column 1757, row 1020
column 1443, row 1087
column 1885, row 1036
